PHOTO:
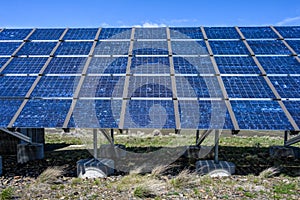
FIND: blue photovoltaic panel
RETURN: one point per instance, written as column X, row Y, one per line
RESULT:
column 260, row 115
column 204, row 115
column 74, row 48
column 37, row 48
column 47, row 34
column 103, row 86
column 228, row 48
column 81, row 34
column 189, row 48
column 287, row 87
column 8, row 108
column 186, row 33
column 115, row 33
column 295, row 44
column 15, row 86
column 198, row 86
column 20, row 65
column 221, row 33
column 269, row 47
column 112, row 48
column 8, row 48
column 150, row 48
column 56, row 86
column 193, row 65
column 280, row 65
column 289, row 31
column 43, row 113
column 237, row 65
column 258, row 33
column 247, row 87
column 150, row 33
column 293, row 108
column 14, row 34
column 150, row 114
column 108, row 65
column 150, row 65
column 64, row 65
column 96, row 114
column 150, row 86
column 3, row 61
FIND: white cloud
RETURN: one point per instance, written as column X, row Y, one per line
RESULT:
column 289, row 21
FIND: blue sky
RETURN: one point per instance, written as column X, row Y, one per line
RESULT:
column 119, row 13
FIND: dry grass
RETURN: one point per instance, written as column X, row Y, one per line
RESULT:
column 269, row 173
column 50, row 175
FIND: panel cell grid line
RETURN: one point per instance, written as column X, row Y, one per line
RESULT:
column 15, row 86
column 74, row 48
column 65, row 65
column 247, row 87
column 287, row 87
column 115, row 33
column 37, row 48
column 186, row 33
column 258, row 33
column 8, row 107
column 47, row 34
column 150, row 86
column 289, row 31
column 108, row 65
column 295, row 44
column 150, row 114
column 221, row 33
column 14, row 34
column 150, row 33
column 150, row 65
column 269, row 47
column 39, row 113
column 96, row 114
column 81, row 34
column 293, row 108
column 204, row 115
column 150, row 48
column 112, row 48
column 189, row 48
column 260, row 115
column 198, row 87
column 280, row 65
column 237, row 65
column 193, row 65
column 25, row 65
column 228, row 48
column 8, row 48
column 55, row 86
column 102, row 86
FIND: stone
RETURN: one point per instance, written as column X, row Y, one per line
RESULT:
column 222, row 168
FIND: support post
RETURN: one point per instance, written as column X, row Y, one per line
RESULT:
column 286, row 134
column 197, row 138
column 112, row 136
column 217, row 136
column 95, row 143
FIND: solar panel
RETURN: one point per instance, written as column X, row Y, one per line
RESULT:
column 289, row 31
column 8, row 107
column 295, row 44
column 258, row 33
column 186, row 33
column 189, row 48
column 74, row 48
column 115, row 33
column 237, row 65
column 47, row 34
column 81, row 34
column 8, row 48
column 15, row 86
column 37, row 48
column 21, row 65
column 228, row 48
column 3, row 61
column 269, row 47
column 293, row 108
column 150, row 33
column 150, row 48
column 193, row 65
column 287, row 87
column 150, row 65
column 108, row 65
column 66, row 65
column 14, row 34
column 221, row 33
column 112, row 48
column 280, row 65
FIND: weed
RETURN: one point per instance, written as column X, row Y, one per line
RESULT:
column 7, row 193
column 183, row 179
column 97, row 182
column 250, row 194
column 50, row 175
column 76, row 181
column 143, row 192
column 285, row 188
column 268, row 173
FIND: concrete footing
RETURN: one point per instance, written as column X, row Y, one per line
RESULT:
column 28, row 152
column 222, row 168
column 95, row 168
column 284, row 152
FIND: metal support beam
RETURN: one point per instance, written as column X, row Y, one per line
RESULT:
column 95, row 142
column 203, row 136
column 287, row 141
column 197, row 137
column 112, row 136
column 17, row 135
column 217, row 137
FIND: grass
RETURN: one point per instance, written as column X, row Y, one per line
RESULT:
column 50, row 175
column 7, row 193
column 143, row 192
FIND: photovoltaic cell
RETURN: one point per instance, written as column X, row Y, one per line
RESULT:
column 269, row 47
column 258, row 33
column 280, row 65
column 247, row 87
column 228, row 48
column 47, row 34
column 43, row 113
column 186, row 33
column 260, row 115
column 56, row 86
column 295, row 44
column 193, row 65
column 3, row 61
column 221, row 33
column 81, row 34
column 108, row 65
column 115, row 33
column 37, row 48
column 112, row 48
column 8, row 48
column 189, row 48
column 289, row 31
column 237, row 65
column 8, row 108
column 15, row 86
column 74, row 48
column 150, row 48
column 150, row 65
column 287, row 87
column 20, row 65
column 293, row 108
column 150, row 33
column 65, row 65
column 14, row 34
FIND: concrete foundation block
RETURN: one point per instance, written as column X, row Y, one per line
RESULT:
column 284, row 152
column 95, row 168
column 28, row 152
column 112, row 151
column 222, row 168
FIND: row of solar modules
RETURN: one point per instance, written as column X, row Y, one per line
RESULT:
column 235, row 47
column 151, row 65
column 150, row 33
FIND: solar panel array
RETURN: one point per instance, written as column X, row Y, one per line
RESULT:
column 171, row 78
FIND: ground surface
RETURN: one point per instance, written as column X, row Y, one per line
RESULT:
column 55, row 176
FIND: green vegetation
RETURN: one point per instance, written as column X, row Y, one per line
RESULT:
column 143, row 192
column 7, row 193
